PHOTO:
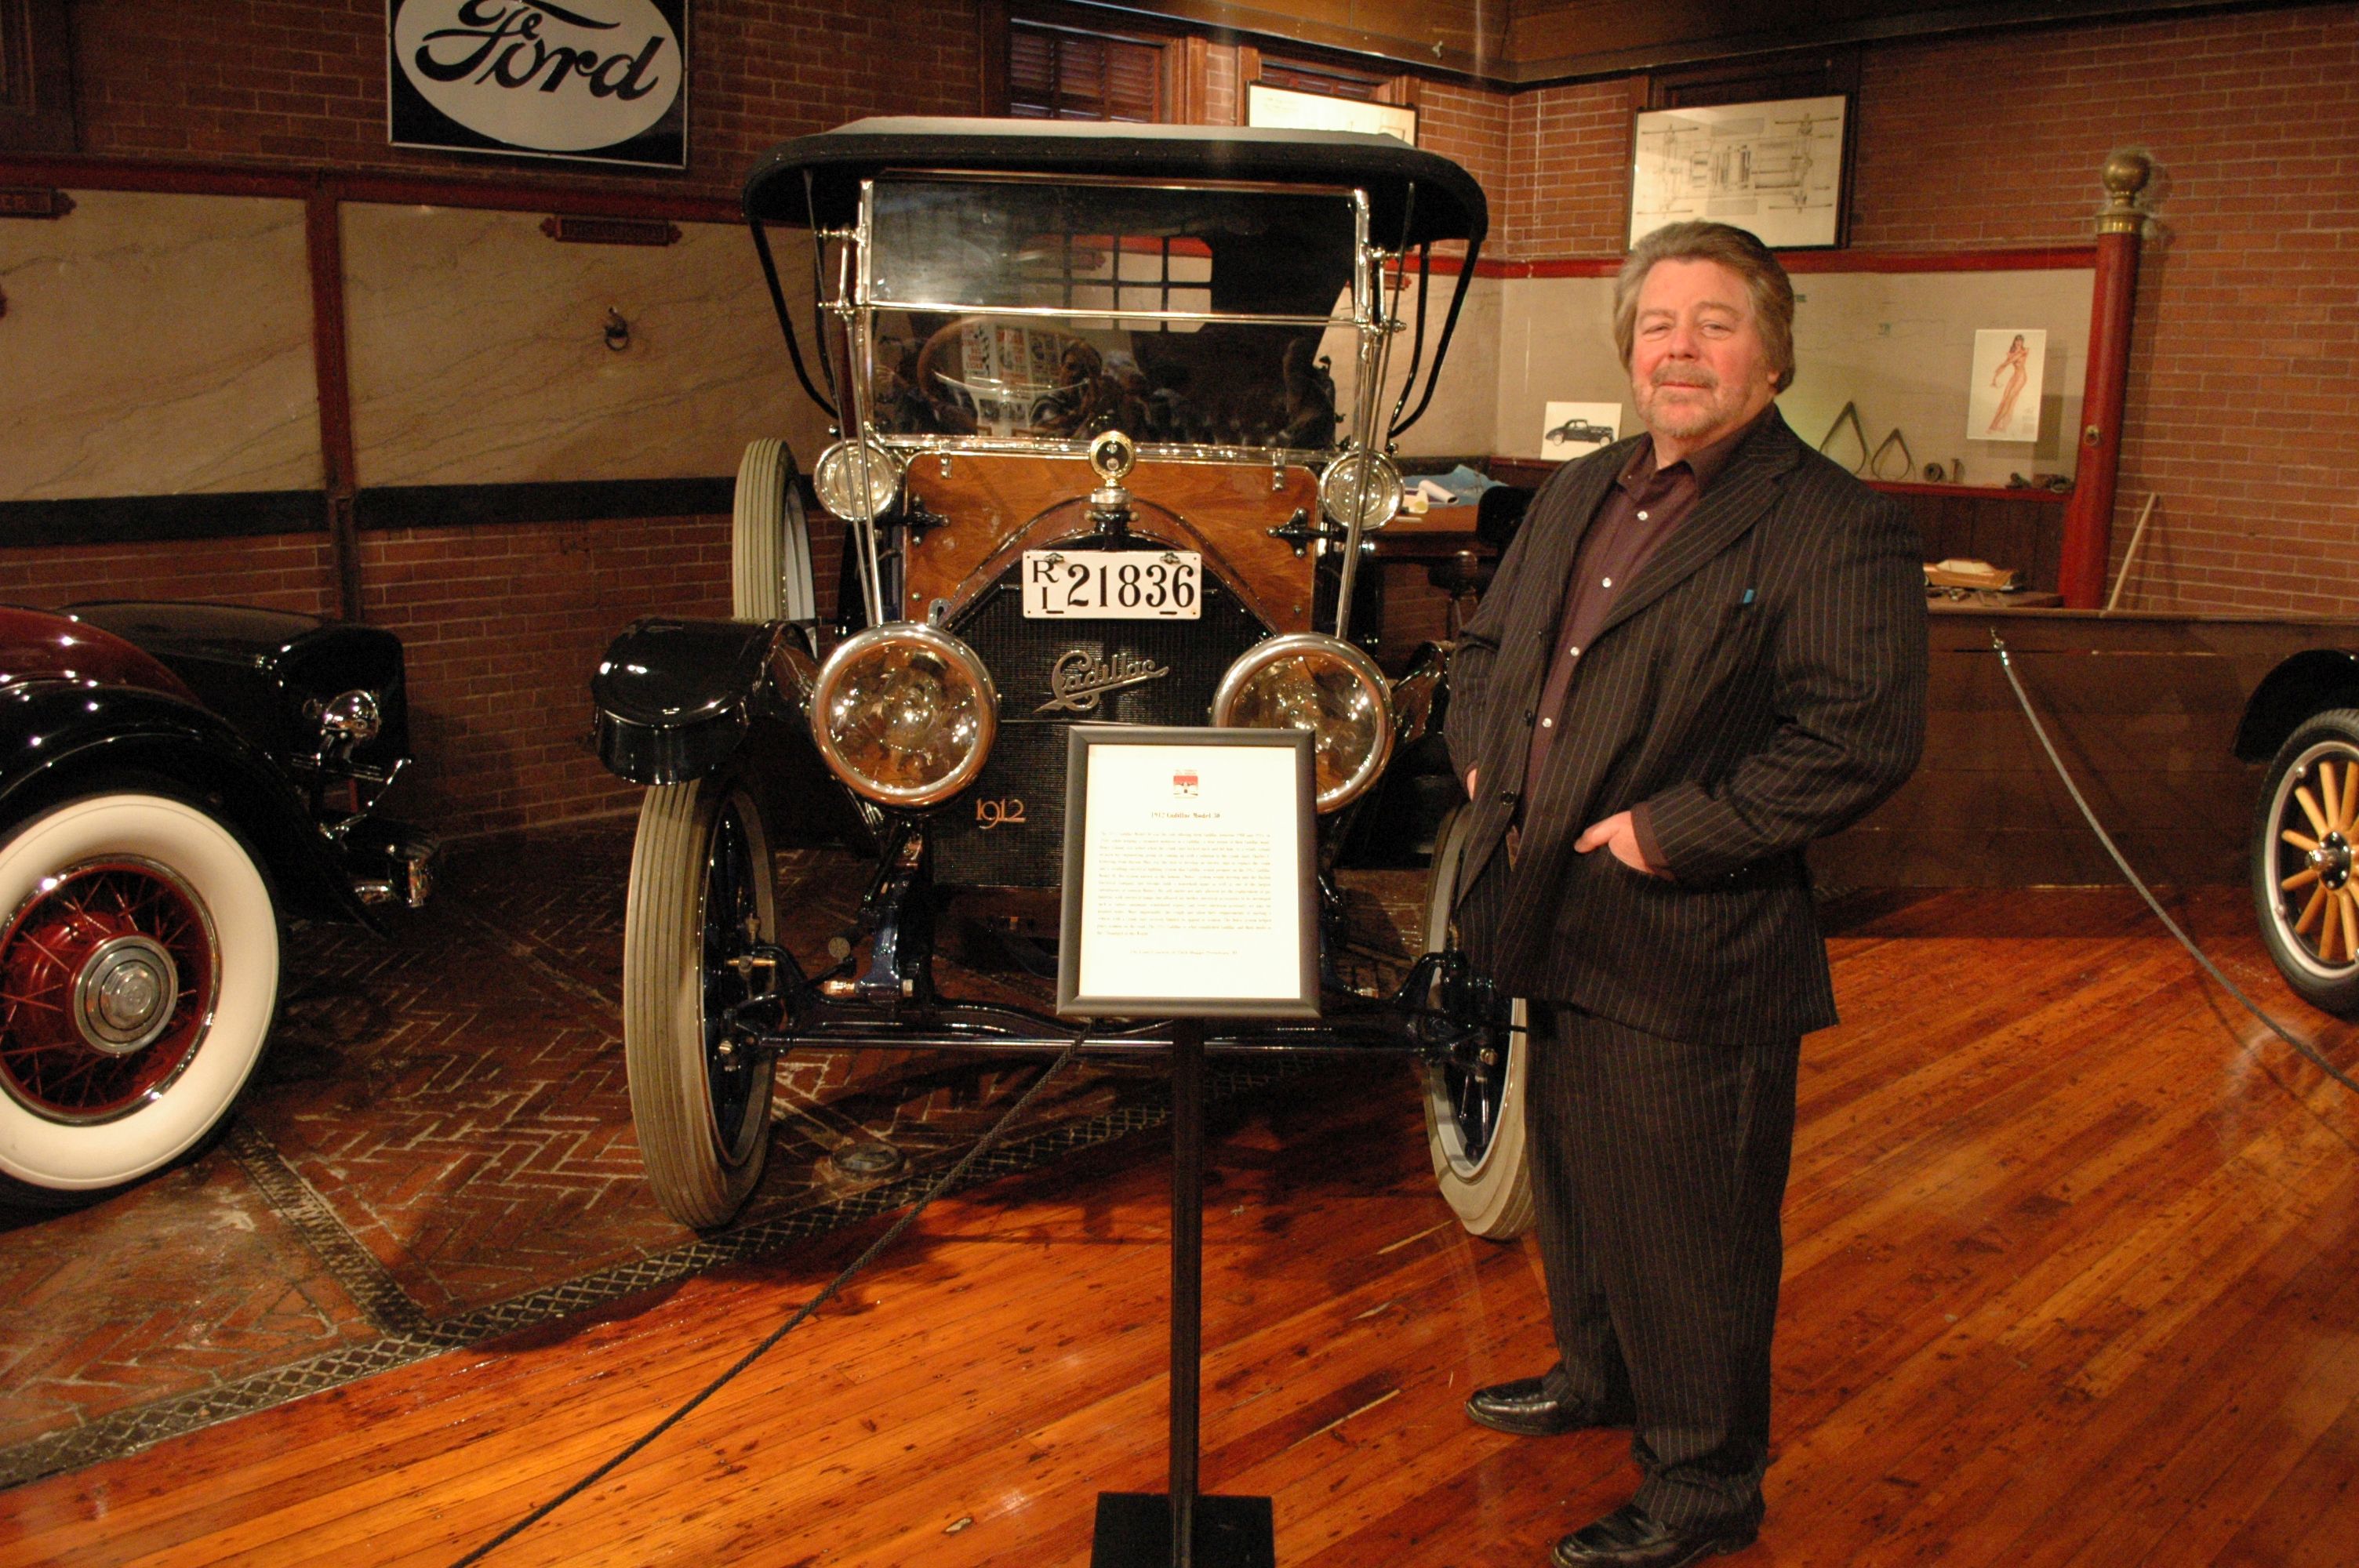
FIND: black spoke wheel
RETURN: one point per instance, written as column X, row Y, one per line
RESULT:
column 2304, row 834
column 1475, row 1094
column 701, row 897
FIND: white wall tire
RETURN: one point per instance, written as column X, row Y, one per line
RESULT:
column 769, row 549
column 701, row 888
column 133, row 892
column 1474, row 1129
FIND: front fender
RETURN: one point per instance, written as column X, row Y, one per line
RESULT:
column 64, row 738
column 2310, row 682
column 676, row 699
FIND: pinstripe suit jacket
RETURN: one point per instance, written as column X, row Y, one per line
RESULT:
column 1761, row 684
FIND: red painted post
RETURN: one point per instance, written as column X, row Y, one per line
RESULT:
column 2089, row 515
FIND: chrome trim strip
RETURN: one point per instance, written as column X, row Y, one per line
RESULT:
column 1092, row 313
column 1048, row 447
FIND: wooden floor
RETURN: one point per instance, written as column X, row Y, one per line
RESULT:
column 2070, row 1279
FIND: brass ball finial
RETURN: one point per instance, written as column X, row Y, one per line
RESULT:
column 2125, row 173
column 2124, row 176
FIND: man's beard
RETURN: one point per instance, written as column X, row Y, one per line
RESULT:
column 1686, row 417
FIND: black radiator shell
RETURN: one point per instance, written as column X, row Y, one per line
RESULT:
column 1008, row 829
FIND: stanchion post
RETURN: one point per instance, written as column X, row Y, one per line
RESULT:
column 1187, row 1276
column 2089, row 515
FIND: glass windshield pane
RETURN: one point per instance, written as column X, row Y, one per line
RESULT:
column 981, row 246
column 978, row 248
column 1222, row 384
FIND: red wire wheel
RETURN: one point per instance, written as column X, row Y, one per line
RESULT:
column 108, row 976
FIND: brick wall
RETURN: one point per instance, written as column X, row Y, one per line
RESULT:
column 1469, row 125
column 502, row 624
column 291, row 571
column 503, row 627
column 1567, row 179
column 2241, row 399
column 2247, row 338
column 303, row 81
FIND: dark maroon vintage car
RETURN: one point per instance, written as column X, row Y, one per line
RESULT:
column 174, row 778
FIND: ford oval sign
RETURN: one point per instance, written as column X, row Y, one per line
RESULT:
column 603, row 79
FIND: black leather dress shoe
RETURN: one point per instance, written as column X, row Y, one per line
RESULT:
column 1528, row 1407
column 1630, row 1537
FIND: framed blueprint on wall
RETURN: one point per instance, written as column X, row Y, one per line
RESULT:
column 1778, row 169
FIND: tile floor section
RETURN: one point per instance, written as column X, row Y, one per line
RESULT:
column 437, row 1149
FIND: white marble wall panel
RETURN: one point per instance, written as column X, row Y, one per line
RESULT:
column 1462, row 419
column 157, row 345
column 1900, row 347
column 1897, row 345
column 479, row 352
column 1556, row 345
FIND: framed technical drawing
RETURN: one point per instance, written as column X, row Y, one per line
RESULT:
column 1190, row 874
column 1780, row 169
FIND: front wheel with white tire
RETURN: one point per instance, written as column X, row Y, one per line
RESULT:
column 770, row 553
column 138, row 976
column 1474, row 1090
column 701, row 899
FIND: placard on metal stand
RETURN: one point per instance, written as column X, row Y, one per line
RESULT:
column 1190, row 894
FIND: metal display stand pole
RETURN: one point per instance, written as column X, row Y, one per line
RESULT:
column 1139, row 1529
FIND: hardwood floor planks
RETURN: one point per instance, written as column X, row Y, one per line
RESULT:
column 2071, row 1244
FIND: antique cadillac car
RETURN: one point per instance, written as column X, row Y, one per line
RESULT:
column 1113, row 406
column 173, row 778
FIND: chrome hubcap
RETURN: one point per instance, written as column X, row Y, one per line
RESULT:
column 124, row 995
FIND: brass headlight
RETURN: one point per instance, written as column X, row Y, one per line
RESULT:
column 1305, row 680
column 905, row 714
column 856, row 479
column 1362, row 479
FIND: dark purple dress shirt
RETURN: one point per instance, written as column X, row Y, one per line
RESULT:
column 1640, row 509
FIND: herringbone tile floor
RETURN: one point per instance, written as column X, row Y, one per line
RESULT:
column 439, row 1140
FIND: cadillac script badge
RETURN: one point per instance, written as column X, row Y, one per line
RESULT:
column 1079, row 677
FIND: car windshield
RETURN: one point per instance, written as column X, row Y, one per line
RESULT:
column 1006, row 308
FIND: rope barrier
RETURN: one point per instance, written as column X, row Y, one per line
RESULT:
column 2006, row 663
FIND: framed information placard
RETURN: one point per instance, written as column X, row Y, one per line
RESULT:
column 1190, row 874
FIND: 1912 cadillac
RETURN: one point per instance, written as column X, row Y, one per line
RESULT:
column 1095, row 466
column 173, row 777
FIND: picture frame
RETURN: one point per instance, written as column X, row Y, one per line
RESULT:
column 1779, row 169
column 1282, row 108
column 1190, row 886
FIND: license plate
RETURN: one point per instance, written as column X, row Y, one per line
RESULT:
column 1114, row 585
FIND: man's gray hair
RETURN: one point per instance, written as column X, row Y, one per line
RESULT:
column 1733, row 248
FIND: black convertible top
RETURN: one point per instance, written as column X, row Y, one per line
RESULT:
column 1448, row 204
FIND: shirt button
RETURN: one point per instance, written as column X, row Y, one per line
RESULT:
column 1642, row 517
column 1548, row 723
column 1572, row 653
column 1605, row 582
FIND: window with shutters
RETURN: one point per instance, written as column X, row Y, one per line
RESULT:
column 1060, row 73
column 1327, row 82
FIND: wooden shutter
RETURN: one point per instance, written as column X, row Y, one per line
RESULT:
column 1056, row 73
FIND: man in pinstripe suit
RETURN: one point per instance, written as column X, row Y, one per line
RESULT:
column 1705, row 648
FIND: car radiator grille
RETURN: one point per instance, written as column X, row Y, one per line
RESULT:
column 1008, row 829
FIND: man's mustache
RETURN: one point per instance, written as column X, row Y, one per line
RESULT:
column 1697, row 376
